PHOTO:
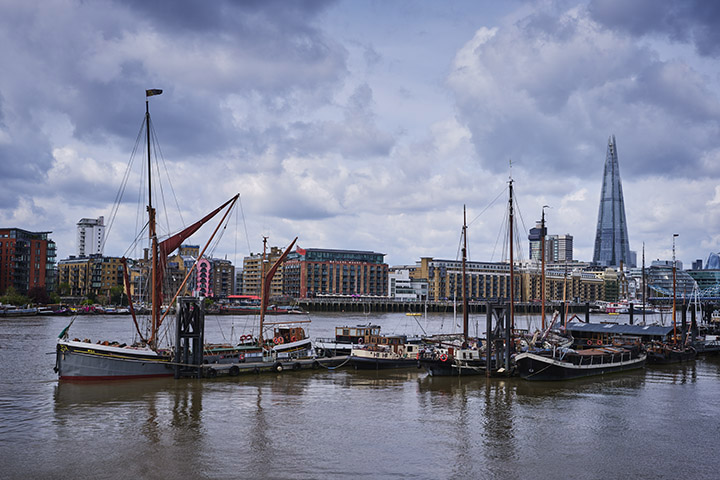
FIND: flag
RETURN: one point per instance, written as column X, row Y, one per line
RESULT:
column 153, row 91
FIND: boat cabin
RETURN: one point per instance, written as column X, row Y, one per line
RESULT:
column 357, row 334
column 286, row 334
column 586, row 334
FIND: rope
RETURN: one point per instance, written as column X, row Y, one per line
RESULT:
column 336, row 366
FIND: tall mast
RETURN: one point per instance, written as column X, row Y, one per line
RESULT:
column 674, row 295
column 154, row 291
column 263, row 300
column 464, row 286
column 542, row 273
column 512, row 261
column 644, row 292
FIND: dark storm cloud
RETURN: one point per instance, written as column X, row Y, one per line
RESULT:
column 686, row 21
column 91, row 62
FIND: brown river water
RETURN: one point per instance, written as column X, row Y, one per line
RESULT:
column 656, row 423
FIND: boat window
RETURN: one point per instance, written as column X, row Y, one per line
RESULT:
column 346, row 332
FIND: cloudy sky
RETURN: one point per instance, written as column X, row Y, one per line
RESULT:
column 365, row 124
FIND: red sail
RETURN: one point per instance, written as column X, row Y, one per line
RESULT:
column 171, row 244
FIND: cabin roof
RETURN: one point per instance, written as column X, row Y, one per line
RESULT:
column 619, row 329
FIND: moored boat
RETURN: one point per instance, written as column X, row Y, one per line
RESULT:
column 385, row 351
column 567, row 363
column 664, row 353
column 346, row 338
column 84, row 360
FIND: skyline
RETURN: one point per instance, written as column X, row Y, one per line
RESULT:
column 368, row 126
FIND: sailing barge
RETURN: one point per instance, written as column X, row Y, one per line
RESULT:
column 567, row 363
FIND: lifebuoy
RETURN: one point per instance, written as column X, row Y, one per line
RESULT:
column 293, row 338
column 417, row 357
column 277, row 340
column 281, row 340
column 443, row 357
column 589, row 342
column 360, row 341
column 599, row 342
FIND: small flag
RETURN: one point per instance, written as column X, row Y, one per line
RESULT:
column 153, row 91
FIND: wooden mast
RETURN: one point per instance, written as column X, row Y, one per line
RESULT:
column 263, row 300
column 674, row 295
column 512, row 262
column 644, row 290
column 542, row 273
column 464, row 286
column 154, row 293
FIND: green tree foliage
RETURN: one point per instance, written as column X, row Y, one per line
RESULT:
column 12, row 297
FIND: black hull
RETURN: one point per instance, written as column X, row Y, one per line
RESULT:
column 449, row 368
column 672, row 356
column 540, row 368
column 360, row 363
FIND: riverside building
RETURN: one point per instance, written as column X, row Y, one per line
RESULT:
column 27, row 260
column 311, row 272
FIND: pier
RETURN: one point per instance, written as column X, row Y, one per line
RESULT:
column 389, row 305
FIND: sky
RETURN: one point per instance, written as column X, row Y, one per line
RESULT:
column 364, row 125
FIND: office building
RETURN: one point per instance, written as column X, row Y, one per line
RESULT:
column 612, row 246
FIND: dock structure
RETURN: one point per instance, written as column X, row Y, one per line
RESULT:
column 189, row 337
column 234, row 369
column 390, row 305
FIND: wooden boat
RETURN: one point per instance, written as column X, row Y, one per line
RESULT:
column 675, row 350
column 460, row 357
column 566, row 363
column 84, row 360
column 346, row 338
column 385, row 351
column 664, row 353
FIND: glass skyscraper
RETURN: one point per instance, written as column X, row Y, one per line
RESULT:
column 611, row 238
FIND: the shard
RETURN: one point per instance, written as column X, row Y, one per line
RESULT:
column 611, row 239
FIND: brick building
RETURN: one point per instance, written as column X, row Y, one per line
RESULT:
column 27, row 260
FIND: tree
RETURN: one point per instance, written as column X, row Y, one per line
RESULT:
column 116, row 295
column 13, row 298
column 39, row 295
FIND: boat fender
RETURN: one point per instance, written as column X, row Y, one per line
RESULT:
column 443, row 357
column 316, row 365
column 296, row 366
column 278, row 367
column 211, row 373
column 234, row 371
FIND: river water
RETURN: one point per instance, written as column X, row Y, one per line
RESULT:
column 657, row 423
